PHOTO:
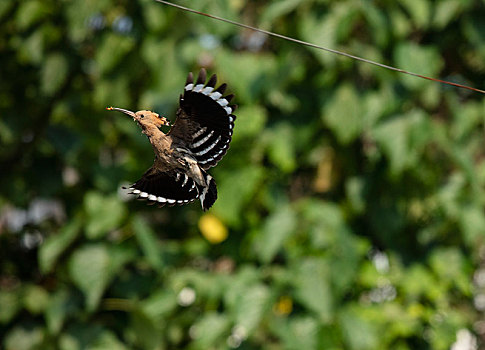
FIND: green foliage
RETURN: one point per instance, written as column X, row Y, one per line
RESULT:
column 351, row 203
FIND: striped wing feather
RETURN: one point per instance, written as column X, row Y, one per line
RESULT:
column 165, row 188
column 205, row 122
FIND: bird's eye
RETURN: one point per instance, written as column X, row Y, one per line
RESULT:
column 142, row 116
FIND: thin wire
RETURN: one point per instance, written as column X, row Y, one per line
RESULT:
column 318, row 47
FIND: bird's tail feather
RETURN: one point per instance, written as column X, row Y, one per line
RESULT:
column 208, row 193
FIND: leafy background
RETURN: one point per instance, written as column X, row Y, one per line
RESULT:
column 351, row 203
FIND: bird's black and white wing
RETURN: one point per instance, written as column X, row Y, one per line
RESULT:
column 205, row 120
column 173, row 188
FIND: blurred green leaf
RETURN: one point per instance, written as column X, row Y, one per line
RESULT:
column 112, row 50
column 313, row 288
column 155, row 17
column 250, row 121
column 85, row 336
column 20, row 338
column 10, row 305
column 159, row 305
column 32, row 49
column 325, row 222
column 343, row 115
column 402, row 139
column 238, row 188
column 277, row 9
column 257, row 73
column 420, row 11
column 378, row 21
column 346, row 255
column 108, row 92
column 104, row 213
column 321, row 30
column 298, row 333
column 148, row 242
column 5, row 6
column 419, row 282
column 147, row 332
column 276, row 230
column 36, row 299
column 424, row 60
column 56, row 245
column 54, row 73
column 31, row 12
column 210, row 330
column 89, row 268
column 108, row 341
column 445, row 11
column 61, row 305
column 281, row 148
column 472, row 221
column 449, row 265
column 354, row 189
column 250, row 307
column 449, row 330
column 358, row 331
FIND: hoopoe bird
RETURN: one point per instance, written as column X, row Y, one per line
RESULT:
column 197, row 141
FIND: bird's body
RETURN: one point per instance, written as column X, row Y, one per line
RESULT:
column 197, row 141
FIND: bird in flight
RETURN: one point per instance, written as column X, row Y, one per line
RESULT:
column 197, row 141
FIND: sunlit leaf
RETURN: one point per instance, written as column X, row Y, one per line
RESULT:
column 420, row 11
column 251, row 306
column 321, row 30
column 450, row 267
column 277, row 228
column 423, row 60
column 472, row 221
column 281, row 149
column 446, row 10
column 210, row 330
column 89, row 268
column 298, row 333
column 250, row 121
column 257, row 73
column 313, row 289
column 237, row 187
column 357, row 331
column 343, row 116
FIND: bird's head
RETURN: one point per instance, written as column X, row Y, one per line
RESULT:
column 144, row 118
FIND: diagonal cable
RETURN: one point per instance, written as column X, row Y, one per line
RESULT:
column 284, row 37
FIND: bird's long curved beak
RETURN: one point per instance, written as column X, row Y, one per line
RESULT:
column 130, row 113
